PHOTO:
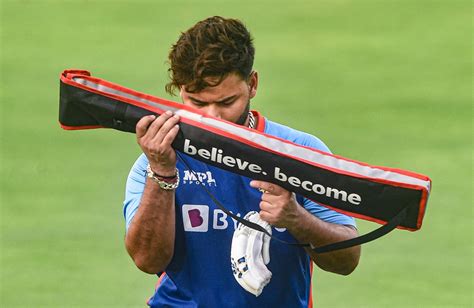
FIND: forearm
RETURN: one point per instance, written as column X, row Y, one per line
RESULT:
column 150, row 237
column 309, row 229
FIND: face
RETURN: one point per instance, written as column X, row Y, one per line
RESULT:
column 228, row 100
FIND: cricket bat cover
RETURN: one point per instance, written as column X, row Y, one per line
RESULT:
column 384, row 195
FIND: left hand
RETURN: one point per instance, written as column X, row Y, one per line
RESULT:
column 278, row 206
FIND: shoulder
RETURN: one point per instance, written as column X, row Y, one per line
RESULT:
column 295, row 136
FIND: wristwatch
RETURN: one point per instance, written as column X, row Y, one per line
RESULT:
column 165, row 182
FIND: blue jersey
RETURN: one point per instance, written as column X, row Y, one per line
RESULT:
column 200, row 274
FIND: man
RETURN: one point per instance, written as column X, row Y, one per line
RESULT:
column 174, row 229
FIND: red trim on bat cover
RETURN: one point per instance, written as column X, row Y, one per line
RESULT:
column 422, row 205
column 230, row 135
column 260, row 126
column 421, row 212
column 65, row 127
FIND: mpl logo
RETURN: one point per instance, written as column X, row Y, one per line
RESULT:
column 195, row 217
column 205, row 178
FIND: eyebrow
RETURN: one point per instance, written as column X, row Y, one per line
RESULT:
column 218, row 102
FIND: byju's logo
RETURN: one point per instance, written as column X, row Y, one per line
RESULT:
column 199, row 177
column 195, row 217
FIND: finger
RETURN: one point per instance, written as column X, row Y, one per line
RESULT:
column 156, row 125
column 268, row 187
column 266, row 216
column 165, row 129
column 271, row 198
column 169, row 138
column 265, row 206
column 143, row 124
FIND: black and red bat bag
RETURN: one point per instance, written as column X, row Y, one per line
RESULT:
column 393, row 197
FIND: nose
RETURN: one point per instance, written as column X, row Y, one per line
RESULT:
column 213, row 110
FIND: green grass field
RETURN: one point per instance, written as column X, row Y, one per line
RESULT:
column 385, row 82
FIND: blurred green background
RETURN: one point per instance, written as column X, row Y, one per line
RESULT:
column 384, row 82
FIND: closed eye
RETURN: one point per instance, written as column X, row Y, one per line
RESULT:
column 224, row 102
column 198, row 104
column 228, row 102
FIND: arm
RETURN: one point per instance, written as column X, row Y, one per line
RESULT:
column 280, row 208
column 150, row 237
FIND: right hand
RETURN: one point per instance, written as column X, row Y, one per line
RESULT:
column 155, row 135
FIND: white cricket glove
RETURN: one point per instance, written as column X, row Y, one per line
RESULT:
column 250, row 253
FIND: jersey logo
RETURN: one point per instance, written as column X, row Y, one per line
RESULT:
column 205, row 178
column 195, row 217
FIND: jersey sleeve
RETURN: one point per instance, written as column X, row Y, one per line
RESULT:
column 317, row 210
column 134, row 189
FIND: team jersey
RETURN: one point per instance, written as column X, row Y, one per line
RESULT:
column 200, row 273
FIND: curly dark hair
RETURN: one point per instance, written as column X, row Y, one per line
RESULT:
column 214, row 47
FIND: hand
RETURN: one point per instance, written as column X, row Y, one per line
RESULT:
column 155, row 135
column 278, row 206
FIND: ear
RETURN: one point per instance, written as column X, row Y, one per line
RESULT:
column 253, row 84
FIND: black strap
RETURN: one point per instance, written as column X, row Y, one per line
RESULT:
column 389, row 226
